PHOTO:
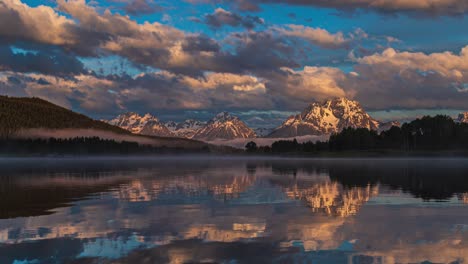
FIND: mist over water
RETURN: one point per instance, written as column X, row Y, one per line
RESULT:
column 233, row 210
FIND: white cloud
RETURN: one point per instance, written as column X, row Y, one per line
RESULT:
column 41, row 24
column 316, row 36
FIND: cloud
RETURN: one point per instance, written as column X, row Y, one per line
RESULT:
column 221, row 17
column 88, row 33
column 47, row 61
column 293, row 88
column 41, row 24
column 155, row 91
column 386, row 80
column 245, row 70
column 81, row 92
column 212, row 91
column 409, row 7
column 142, row 7
column 92, row 34
column 393, row 79
column 167, row 48
column 166, row 91
column 316, row 36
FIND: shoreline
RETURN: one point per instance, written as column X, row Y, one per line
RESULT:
column 194, row 157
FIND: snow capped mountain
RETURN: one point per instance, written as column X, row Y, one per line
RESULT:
column 463, row 117
column 262, row 131
column 317, row 119
column 145, row 125
column 224, row 126
column 171, row 125
column 386, row 126
column 326, row 118
column 186, row 129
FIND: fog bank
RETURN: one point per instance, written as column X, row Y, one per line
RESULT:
column 241, row 142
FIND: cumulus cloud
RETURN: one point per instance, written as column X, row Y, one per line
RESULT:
column 90, row 33
column 316, row 36
column 212, row 91
column 156, row 91
column 169, row 91
column 411, row 79
column 41, row 24
column 221, row 17
column 386, row 80
column 246, row 70
column 294, row 88
column 86, row 92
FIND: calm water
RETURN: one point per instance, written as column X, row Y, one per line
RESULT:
column 234, row 211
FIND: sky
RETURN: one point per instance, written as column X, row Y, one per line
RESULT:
column 262, row 60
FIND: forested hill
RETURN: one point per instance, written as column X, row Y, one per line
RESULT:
column 25, row 113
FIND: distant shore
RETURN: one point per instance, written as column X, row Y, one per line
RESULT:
column 248, row 156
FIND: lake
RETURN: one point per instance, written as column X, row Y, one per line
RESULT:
column 202, row 210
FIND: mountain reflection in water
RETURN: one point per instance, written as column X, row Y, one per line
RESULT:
column 234, row 211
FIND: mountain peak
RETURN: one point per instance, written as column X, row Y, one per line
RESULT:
column 223, row 117
column 145, row 125
column 463, row 117
column 224, row 126
column 327, row 117
column 340, row 101
column 185, row 129
column 149, row 116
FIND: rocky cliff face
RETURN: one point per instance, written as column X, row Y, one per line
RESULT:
column 326, row 118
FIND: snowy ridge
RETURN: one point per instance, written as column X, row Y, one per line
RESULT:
column 325, row 118
column 386, row 126
column 262, row 131
column 318, row 119
column 224, row 126
column 144, row 125
column 463, row 117
column 186, row 129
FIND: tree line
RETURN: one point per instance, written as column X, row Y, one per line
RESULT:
column 438, row 133
column 80, row 146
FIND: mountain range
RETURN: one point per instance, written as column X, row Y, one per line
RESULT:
column 145, row 125
column 222, row 126
column 317, row 119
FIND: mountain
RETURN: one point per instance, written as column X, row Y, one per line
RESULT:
column 18, row 114
column 224, row 126
column 262, row 131
column 386, row 126
column 186, row 129
column 326, row 118
column 145, row 125
column 463, row 117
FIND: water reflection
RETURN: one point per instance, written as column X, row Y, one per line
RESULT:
column 285, row 211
